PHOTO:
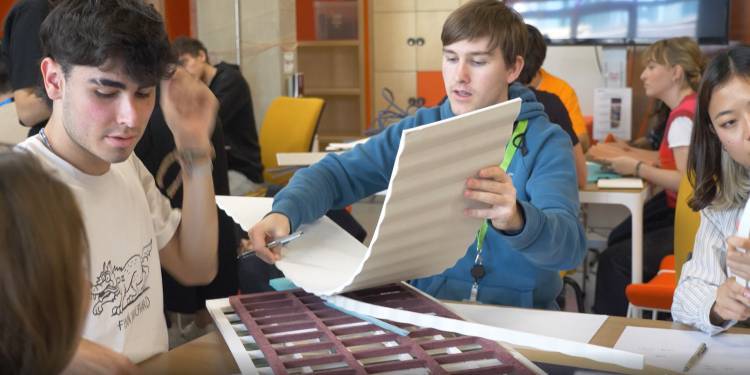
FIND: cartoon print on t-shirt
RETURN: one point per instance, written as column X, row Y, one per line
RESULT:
column 121, row 285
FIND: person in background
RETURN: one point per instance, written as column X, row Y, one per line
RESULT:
column 532, row 227
column 156, row 150
column 672, row 73
column 555, row 109
column 718, row 164
column 547, row 82
column 235, row 111
column 22, row 53
column 43, row 267
column 102, row 62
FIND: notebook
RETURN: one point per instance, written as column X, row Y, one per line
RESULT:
column 620, row 183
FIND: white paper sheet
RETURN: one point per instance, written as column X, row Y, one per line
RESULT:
column 246, row 211
column 620, row 183
column 560, row 324
column 324, row 254
column 422, row 229
column 288, row 159
column 346, row 145
column 671, row 349
column 743, row 230
column 539, row 342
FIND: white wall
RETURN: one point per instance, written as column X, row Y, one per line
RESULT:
column 267, row 29
column 576, row 65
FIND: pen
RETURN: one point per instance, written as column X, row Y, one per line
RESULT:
column 275, row 243
column 695, row 357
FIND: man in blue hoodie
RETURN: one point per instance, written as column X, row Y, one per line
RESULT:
column 531, row 229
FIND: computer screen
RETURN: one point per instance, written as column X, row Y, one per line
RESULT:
column 626, row 21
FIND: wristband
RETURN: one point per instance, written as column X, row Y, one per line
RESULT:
column 638, row 169
column 188, row 158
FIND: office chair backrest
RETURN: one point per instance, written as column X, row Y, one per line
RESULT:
column 686, row 223
column 289, row 126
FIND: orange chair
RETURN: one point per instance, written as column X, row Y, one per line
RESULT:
column 657, row 293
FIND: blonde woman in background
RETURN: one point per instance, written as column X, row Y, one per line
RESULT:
column 672, row 74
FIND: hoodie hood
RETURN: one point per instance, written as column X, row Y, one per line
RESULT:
column 530, row 108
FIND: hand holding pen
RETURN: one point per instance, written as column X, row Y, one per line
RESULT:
column 273, row 226
column 278, row 242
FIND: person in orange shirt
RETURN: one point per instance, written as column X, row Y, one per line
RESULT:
column 544, row 81
column 553, row 106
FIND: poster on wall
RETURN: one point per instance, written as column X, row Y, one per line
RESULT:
column 612, row 113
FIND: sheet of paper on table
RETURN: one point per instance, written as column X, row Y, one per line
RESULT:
column 345, row 145
column 565, row 325
column 422, row 229
column 620, row 183
column 323, row 238
column 300, row 159
column 743, row 230
column 670, row 349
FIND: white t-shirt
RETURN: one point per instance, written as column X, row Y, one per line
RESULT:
column 127, row 222
column 680, row 132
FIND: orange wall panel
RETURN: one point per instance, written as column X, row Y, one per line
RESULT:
column 177, row 15
column 305, row 20
column 5, row 6
column 739, row 13
column 430, row 86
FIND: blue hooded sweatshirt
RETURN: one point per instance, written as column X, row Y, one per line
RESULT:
column 521, row 268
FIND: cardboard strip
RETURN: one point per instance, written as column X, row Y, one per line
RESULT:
column 539, row 342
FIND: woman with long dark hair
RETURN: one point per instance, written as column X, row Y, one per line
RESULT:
column 707, row 297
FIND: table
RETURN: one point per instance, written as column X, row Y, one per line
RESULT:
column 298, row 159
column 633, row 200
column 210, row 355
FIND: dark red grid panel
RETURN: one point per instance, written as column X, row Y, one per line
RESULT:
column 295, row 316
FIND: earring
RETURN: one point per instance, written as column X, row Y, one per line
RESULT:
column 723, row 147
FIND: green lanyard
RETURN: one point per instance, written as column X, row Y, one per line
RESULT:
column 510, row 150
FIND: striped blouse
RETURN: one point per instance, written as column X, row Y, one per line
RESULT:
column 706, row 270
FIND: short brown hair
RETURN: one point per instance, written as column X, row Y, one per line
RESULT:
column 127, row 34
column 184, row 45
column 536, row 52
column 43, row 258
column 488, row 18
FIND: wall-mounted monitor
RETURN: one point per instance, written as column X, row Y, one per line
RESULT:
column 623, row 22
